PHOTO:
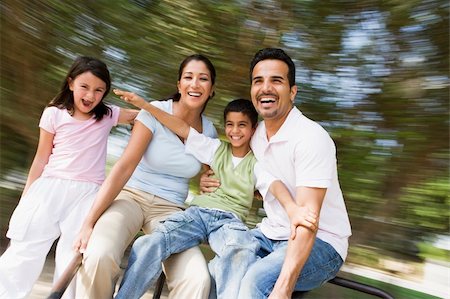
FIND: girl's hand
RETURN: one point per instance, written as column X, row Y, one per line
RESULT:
column 302, row 216
column 130, row 97
column 82, row 239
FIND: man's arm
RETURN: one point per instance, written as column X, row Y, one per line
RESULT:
column 208, row 183
column 299, row 248
column 298, row 215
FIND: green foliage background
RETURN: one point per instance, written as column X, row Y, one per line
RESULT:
column 375, row 74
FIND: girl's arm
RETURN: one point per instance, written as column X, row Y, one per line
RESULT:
column 41, row 158
column 116, row 180
column 127, row 116
column 173, row 123
column 298, row 215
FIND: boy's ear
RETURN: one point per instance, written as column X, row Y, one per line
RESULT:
column 254, row 129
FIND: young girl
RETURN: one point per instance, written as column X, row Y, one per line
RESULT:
column 66, row 173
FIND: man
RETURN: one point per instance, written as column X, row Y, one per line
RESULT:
column 300, row 153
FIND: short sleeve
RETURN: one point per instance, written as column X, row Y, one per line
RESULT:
column 147, row 119
column 263, row 179
column 115, row 114
column 48, row 119
column 315, row 163
column 208, row 128
column 201, row 147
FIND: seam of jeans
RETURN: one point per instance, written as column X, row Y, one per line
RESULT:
column 326, row 265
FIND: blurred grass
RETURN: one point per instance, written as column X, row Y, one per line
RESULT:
column 428, row 251
column 332, row 291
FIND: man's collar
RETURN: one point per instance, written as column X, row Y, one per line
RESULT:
column 284, row 132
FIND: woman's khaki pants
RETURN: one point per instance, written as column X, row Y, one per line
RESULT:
column 187, row 273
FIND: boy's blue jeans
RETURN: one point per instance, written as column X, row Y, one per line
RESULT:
column 228, row 237
column 322, row 265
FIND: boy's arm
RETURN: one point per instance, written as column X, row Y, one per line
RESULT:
column 173, row 123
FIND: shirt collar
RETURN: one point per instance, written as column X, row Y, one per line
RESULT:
column 284, row 132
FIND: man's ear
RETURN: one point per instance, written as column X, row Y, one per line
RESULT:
column 293, row 93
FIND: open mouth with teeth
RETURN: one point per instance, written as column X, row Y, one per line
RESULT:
column 194, row 94
column 86, row 103
column 236, row 137
column 266, row 101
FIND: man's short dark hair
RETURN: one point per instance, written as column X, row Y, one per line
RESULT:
column 276, row 54
column 243, row 106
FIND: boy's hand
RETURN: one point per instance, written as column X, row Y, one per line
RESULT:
column 130, row 97
column 302, row 216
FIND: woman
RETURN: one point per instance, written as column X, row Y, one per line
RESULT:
column 155, row 171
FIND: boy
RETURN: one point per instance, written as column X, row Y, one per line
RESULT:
column 215, row 217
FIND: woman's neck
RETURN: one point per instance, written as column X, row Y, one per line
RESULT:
column 191, row 116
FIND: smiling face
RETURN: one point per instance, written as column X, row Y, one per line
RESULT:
column 88, row 90
column 239, row 131
column 271, row 93
column 195, row 85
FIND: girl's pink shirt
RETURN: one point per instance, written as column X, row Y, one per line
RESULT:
column 79, row 147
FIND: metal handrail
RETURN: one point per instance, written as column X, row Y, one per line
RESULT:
column 360, row 287
column 63, row 282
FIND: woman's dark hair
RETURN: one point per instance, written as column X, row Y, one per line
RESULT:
column 64, row 99
column 274, row 54
column 198, row 57
column 243, row 106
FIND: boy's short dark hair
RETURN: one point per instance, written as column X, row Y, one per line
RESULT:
column 243, row 106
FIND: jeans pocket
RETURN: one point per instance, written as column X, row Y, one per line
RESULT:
column 174, row 222
column 237, row 234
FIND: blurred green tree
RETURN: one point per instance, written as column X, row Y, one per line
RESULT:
column 374, row 74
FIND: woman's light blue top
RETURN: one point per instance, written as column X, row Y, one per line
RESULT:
column 165, row 168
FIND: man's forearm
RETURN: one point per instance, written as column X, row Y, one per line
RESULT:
column 297, row 253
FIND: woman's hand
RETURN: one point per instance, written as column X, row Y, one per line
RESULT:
column 130, row 97
column 82, row 239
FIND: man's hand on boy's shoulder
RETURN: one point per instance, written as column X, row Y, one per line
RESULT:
column 208, row 184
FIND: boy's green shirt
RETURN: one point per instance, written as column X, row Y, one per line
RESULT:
column 237, row 184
